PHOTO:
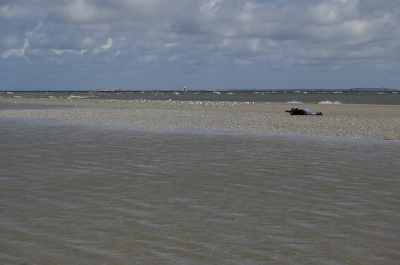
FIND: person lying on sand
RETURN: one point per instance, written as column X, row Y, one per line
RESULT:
column 296, row 111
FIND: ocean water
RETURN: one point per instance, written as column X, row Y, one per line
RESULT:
column 97, row 194
column 319, row 97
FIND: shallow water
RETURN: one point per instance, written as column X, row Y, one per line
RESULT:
column 96, row 194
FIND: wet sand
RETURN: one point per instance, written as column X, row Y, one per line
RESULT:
column 339, row 120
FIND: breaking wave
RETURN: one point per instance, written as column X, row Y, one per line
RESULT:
column 77, row 97
column 329, row 102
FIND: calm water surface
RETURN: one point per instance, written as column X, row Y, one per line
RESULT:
column 93, row 194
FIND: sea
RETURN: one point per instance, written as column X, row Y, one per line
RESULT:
column 359, row 96
column 102, row 194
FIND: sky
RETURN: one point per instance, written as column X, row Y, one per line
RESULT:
column 199, row 44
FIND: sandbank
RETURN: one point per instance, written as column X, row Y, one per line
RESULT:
column 339, row 120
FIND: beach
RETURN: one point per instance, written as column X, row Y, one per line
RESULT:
column 365, row 121
column 149, row 181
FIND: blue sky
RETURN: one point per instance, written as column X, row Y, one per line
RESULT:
column 204, row 44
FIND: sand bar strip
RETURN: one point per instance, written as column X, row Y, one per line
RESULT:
column 339, row 120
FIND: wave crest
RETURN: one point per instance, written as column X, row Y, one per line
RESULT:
column 329, row 102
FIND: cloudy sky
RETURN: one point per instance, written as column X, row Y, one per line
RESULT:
column 200, row 44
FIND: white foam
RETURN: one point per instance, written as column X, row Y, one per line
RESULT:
column 76, row 97
column 295, row 102
column 329, row 102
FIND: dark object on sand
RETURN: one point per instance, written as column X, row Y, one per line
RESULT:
column 296, row 111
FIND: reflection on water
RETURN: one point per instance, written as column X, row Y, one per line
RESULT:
column 100, row 195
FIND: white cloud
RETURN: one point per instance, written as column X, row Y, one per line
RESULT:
column 104, row 47
column 84, row 12
column 212, row 34
column 108, row 44
column 18, row 51
column 210, row 8
column 169, row 45
column 58, row 52
column 88, row 41
column 14, row 12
